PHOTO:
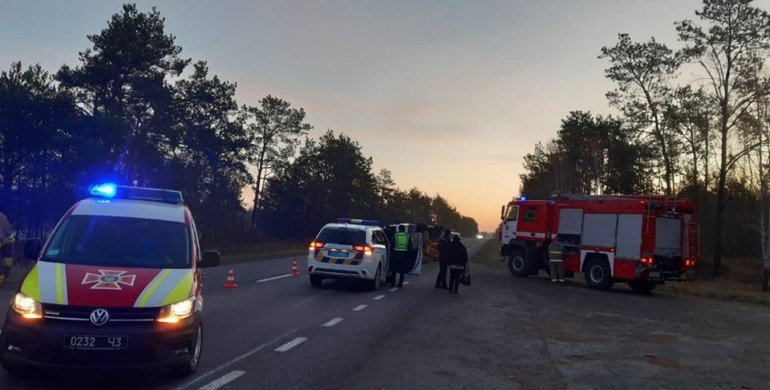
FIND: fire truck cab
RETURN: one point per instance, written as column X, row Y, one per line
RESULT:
column 639, row 239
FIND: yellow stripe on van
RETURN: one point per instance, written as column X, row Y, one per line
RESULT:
column 152, row 288
column 181, row 291
column 59, row 283
column 31, row 285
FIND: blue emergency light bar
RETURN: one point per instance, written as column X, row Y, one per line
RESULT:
column 366, row 222
column 112, row 191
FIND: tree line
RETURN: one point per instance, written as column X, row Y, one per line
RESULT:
column 693, row 122
column 133, row 110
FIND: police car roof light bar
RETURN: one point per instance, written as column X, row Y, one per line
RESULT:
column 366, row 222
column 112, row 191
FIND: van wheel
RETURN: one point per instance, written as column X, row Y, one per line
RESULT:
column 374, row 284
column 640, row 286
column 188, row 368
column 598, row 274
column 518, row 264
column 316, row 281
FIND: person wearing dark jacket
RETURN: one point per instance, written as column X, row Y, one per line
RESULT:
column 457, row 263
column 443, row 255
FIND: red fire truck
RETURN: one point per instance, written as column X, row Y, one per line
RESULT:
column 639, row 239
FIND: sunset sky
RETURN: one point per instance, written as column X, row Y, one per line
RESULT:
column 448, row 95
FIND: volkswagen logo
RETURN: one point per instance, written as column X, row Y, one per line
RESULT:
column 99, row 317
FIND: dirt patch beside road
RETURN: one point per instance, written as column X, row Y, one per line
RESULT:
column 505, row 332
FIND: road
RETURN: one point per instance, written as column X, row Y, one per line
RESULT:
column 277, row 332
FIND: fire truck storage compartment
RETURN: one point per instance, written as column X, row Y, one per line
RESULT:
column 570, row 225
column 599, row 230
column 668, row 239
column 629, row 236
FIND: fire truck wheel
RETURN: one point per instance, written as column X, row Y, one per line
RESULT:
column 518, row 264
column 642, row 286
column 598, row 274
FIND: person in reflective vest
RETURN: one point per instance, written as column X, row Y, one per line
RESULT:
column 400, row 264
column 556, row 260
column 7, row 241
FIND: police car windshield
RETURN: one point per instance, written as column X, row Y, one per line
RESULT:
column 342, row 236
column 120, row 241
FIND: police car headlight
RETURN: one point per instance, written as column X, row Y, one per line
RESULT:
column 26, row 306
column 178, row 311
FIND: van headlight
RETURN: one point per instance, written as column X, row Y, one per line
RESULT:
column 26, row 306
column 176, row 312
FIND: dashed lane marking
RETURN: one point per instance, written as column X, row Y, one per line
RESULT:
column 333, row 322
column 359, row 308
column 377, row 298
column 394, row 289
column 291, row 344
column 233, row 361
column 223, row 380
column 273, row 278
column 405, row 283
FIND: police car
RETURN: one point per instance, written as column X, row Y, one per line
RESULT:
column 350, row 249
column 116, row 285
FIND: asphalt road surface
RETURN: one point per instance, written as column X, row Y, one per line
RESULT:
column 277, row 332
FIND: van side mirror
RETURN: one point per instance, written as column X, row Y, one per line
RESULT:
column 210, row 259
column 32, row 248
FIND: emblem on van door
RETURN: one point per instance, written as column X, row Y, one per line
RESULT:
column 109, row 280
column 99, row 317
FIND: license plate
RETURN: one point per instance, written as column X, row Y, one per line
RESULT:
column 338, row 253
column 654, row 275
column 95, row 342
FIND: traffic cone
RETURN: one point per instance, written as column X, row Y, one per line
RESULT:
column 230, row 279
column 294, row 269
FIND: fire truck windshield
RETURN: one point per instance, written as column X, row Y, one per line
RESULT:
column 513, row 211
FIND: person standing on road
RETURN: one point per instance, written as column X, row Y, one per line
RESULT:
column 7, row 241
column 556, row 260
column 401, row 250
column 457, row 263
column 443, row 256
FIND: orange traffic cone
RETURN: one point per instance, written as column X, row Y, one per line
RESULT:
column 294, row 269
column 230, row 279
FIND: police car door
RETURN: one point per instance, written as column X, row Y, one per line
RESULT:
column 380, row 249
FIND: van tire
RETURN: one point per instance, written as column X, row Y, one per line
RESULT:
column 598, row 274
column 189, row 367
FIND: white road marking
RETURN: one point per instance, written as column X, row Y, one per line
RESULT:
column 359, row 308
column 273, row 278
column 394, row 289
column 223, row 380
column 377, row 298
column 291, row 344
column 233, row 361
column 333, row 322
column 405, row 283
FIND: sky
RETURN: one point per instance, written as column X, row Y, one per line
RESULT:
column 448, row 95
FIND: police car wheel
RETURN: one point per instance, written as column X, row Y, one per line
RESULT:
column 189, row 367
column 374, row 284
column 316, row 281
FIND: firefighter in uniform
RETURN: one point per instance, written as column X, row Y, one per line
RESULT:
column 556, row 260
column 7, row 241
column 400, row 256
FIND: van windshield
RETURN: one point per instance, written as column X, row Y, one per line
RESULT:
column 120, row 241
